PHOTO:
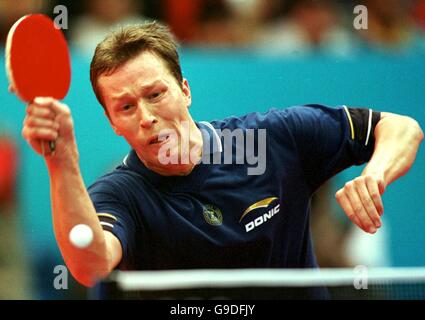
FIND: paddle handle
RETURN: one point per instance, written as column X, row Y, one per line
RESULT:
column 52, row 146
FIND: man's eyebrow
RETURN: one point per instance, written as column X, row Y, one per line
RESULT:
column 143, row 87
column 120, row 96
column 152, row 84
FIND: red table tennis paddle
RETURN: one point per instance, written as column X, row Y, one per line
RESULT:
column 37, row 60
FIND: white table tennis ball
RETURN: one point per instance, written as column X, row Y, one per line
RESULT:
column 81, row 236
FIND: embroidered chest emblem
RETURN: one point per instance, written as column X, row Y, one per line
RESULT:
column 212, row 215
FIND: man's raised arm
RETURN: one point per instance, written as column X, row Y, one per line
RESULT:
column 47, row 120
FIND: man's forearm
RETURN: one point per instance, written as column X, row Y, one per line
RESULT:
column 71, row 205
column 397, row 139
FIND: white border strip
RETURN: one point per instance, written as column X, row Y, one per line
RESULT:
column 217, row 138
column 124, row 161
column 106, row 224
column 369, row 127
column 226, row 278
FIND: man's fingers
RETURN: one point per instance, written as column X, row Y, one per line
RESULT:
column 44, row 101
column 346, row 206
column 47, row 119
column 40, row 111
column 48, row 108
column 40, row 134
column 381, row 186
column 357, row 205
column 31, row 121
column 375, row 194
column 54, row 105
column 368, row 203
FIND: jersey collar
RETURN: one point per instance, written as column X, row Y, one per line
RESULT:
column 211, row 139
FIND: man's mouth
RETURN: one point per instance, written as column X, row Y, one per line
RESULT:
column 158, row 139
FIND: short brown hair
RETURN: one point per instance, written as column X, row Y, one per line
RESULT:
column 126, row 43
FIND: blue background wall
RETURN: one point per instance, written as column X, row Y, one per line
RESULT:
column 233, row 83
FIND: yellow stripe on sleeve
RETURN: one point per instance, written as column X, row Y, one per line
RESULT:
column 107, row 215
column 350, row 121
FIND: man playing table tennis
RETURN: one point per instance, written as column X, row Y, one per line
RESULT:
column 204, row 213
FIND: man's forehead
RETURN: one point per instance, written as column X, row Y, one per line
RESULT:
column 142, row 72
column 145, row 63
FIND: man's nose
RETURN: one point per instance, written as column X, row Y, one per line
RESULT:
column 146, row 117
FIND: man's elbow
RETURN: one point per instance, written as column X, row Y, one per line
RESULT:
column 420, row 133
column 88, row 277
column 410, row 128
column 84, row 280
column 402, row 124
column 417, row 132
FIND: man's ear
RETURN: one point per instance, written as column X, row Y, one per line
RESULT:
column 186, row 92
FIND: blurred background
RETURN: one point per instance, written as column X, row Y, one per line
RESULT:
column 281, row 52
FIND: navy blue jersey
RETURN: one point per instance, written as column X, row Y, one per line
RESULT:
column 219, row 216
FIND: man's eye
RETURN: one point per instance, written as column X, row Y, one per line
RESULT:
column 126, row 107
column 154, row 95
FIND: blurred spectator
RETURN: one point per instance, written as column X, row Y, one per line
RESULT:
column 14, row 276
column 338, row 242
column 220, row 26
column 183, row 18
column 308, row 26
column 390, row 26
column 154, row 9
column 98, row 19
column 419, row 13
column 207, row 23
column 8, row 171
column 371, row 250
column 11, row 11
column 330, row 232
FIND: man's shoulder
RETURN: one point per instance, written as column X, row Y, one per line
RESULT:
column 270, row 116
column 119, row 180
column 245, row 121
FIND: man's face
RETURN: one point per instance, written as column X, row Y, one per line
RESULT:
column 143, row 99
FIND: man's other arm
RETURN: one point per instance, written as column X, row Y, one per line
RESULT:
column 397, row 139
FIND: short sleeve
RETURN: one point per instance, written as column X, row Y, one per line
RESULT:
column 114, row 213
column 329, row 140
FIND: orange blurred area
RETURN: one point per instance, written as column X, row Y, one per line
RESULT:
column 8, row 170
